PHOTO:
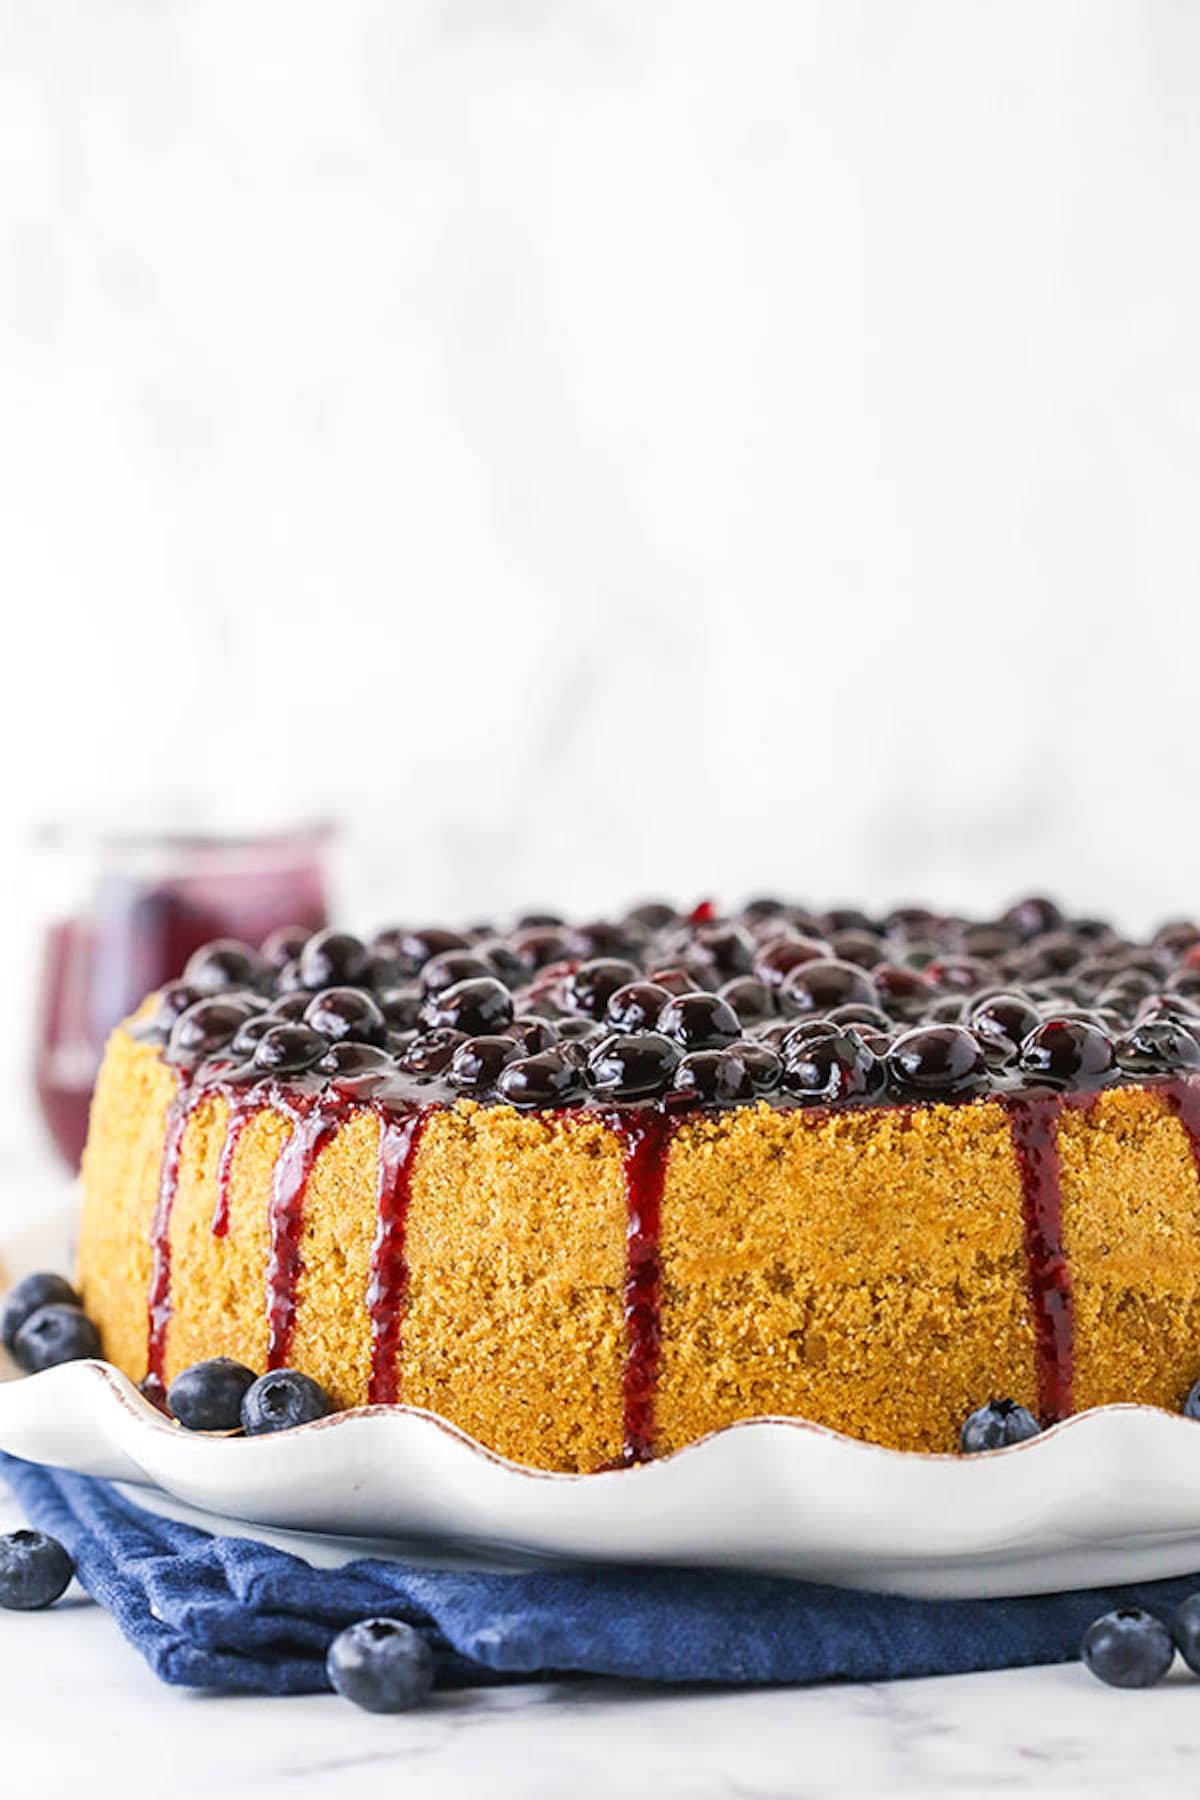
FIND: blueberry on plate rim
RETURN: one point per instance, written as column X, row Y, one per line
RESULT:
column 209, row 1395
column 996, row 1425
column 282, row 1399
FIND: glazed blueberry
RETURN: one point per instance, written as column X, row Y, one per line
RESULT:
column 289, row 1049
column 934, row 1060
column 289, row 1008
column 334, row 959
column 430, row 1052
column 593, row 984
column 853, row 1014
column 532, row 1035
column 752, row 1000
column 987, row 941
column 347, row 1061
column 1185, row 1629
column 674, row 979
column 765, row 1064
column 28, row 1296
column 206, row 1028
column 1176, row 937
column 169, row 1003
column 225, row 963
column 35, row 1571
column 774, row 964
column 903, row 992
column 1002, row 1022
column 1057, row 953
column 381, row 1665
column 284, row 945
column 580, row 1031
column 1068, row 1053
column 1031, row 917
column 820, row 1069
column 911, row 923
column 539, row 945
column 400, row 1005
column 958, row 974
column 636, row 1006
column 946, row 1011
column 862, row 948
column 476, row 1065
column 1128, row 1648
column 209, row 1395
column 725, row 948
column 653, row 915
column 599, row 939
column 699, row 1021
column 502, row 961
column 449, row 966
column 280, row 1400
column 346, row 1012
column 631, row 1065
column 411, row 950
column 718, row 1077
column 478, row 1007
column 54, row 1334
column 248, row 1034
column 817, row 987
column 850, row 919
column 1156, row 1046
column 996, row 1425
column 548, row 1078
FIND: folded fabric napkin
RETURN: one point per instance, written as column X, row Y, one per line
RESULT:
column 232, row 1614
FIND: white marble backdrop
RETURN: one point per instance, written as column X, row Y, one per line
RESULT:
column 610, row 445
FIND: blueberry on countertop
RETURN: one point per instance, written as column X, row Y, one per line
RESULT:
column 1185, row 1629
column 1128, row 1648
column 30, row 1294
column 209, row 1395
column 996, row 1425
column 281, row 1399
column 35, row 1571
column 382, row 1665
column 54, row 1334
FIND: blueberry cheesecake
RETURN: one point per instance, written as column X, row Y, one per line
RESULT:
column 593, row 1190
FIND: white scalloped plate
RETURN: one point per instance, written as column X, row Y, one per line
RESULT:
column 1108, row 1496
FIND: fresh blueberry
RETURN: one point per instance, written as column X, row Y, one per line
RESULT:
column 54, row 1334
column 478, row 1007
column 994, row 1426
column 225, row 963
column 281, row 1399
column 1191, row 1404
column 209, row 1395
column 1128, row 1648
column 27, row 1297
column 1068, row 1053
column 333, row 959
column 35, row 1571
column 1185, row 1629
column 382, row 1665
column 632, row 1065
column 699, row 1021
column 289, row 1049
column 346, row 1012
column 935, row 1060
column 547, row 1078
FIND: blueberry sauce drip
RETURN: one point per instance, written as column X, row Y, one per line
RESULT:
column 645, row 1135
column 313, row 1126
column 399, row 1137
column 1033, row 1123
column 158, row 1306
column 1183, row 1098
column 239, row 1118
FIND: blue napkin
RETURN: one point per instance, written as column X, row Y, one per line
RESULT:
column 234, row 1615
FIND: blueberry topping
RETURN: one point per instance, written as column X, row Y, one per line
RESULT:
column 209, row 1395
column 347, row 1013
column 818, row 986
column 225, row 963
column 752, row 1000
column 996, row 1425
column 1068, row 1053
column 28, row 1296
column 820, row 1068
column 284, row 946
column 1031, row 917
column 247, row 1034
column 169, row 1003
column 718, row 1077
column 859, row 947
column 476, row 1064
column 764, row 1063
column 431, row 1052
column 35, row 1571
column 632, row 1065
column 289, row 1049
column 1157, row 1046
column 532, row 1035
column 348, row 1061
column 1002, row 1022
column 936, row 1060
column 548, row 1078
column 289, row 1007
column 1128, row 1648
column 477, row 1007
column 593, row 984
column 381, row 1665
column 411, row 950
column 333, row 959
column 449, row 966
column 773, row 965
column 636, row 1006
column 699, row 1021
column 205, row 1028
column 282, row 1399
column 400, row 1006
column 54, row 1334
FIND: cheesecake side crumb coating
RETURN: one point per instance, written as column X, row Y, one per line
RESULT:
column 863, row 1269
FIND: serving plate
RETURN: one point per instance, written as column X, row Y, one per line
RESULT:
column 1108, row 1496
